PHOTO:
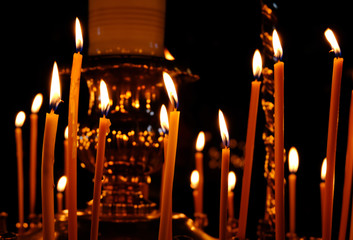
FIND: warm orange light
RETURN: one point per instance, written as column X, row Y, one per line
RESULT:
column 163, row 117
column 20, row 119
column 104, row 98
column 168, row 55
column 293, row 161
column 277, row 47
column 200, row 142
column 194, row 179
column 172, row 94
column 55, row 92
column 223, row 128
column 257, row 64
column 62, row 184
column 330, row 36
column 323, row 169
column 37, row 103
column 79, row 38
column 232, row 180
column 66, row 132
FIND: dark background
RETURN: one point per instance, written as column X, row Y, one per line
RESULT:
column 216, row 40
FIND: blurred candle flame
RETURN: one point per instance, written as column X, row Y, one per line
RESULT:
column 168, row 55
column 62, row 184
column 330, row 36
column 232, row 180
column 277, row 47
column 323, row 169
column 293, row 161
column 223, row 128
column 104, row 98
column 257, row 64
column 55, row 91
column 79, row 38
column 66, row 132
column 194, row 179
column 172, row 94
column 200, row 142
column 20, row 119
column 37, row 103
column 163, row 117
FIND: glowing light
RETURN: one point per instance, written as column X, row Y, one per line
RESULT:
column 323, row 169
column 200, row 142
column 232, row 180
column 55, row 91
column 163, row 117
column 257, row 64
column 293, row 161
column 330, row 36
column 37, row 103
column 104, row 98
column 20, row 119
column 172, row 94
column 223, row 129
column 168, row 55
column 62, row 184
column 277, row 47
column 79, row 38
column 66, row 132
column 194, row 179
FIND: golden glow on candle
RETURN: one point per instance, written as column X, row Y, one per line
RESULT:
column 257, row 64
column 66, row 133
column 330, row 36
column 163, row 117
column 200, row 142
column 55, row 92
column 323, row 169
column 79, row 38
column 104, row 98
column 223, row 128
column 37, row 103
column 172, row 94
column 20, row 119
column 62, row 184
column 168, row 55
column 293, row 161
column 194, row 179
column 232, row 180
column 277, row 47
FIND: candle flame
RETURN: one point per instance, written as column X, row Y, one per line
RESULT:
column 194, row 179
column 232, row 180
column 79, row 38
column 168, row 55
column 62, row 184
column 323, row 169
column 20, row 119
column 257, row 64
column 330, row 36
column 277, row 47
column 223, row 128
column 66, row 132
column 172, row 94
column 163, row 117
column 293, row 161
column 37, row 103
column 55, row 92
column 104, row 98
column 200, row 142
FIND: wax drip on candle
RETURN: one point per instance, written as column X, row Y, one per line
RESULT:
column 55, row 92
column 330, row 36
column 172, row 94
column 79, row 38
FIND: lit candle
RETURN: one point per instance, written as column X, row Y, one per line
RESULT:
column 279, row 136
column 66, row 160
column 232, row 180
column 249, row 146
column 51, row 124
column 347, row 187
column 104, row 124
column 20, row 119
column 59, row 196
column 72, row 140
column 322, row 193
column 224, row 177
column 194, row 183
column 293, row 164
column 332, row 132
column 200, row 143
column 37, row 103
column 168, row 178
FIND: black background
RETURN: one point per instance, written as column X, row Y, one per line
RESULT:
column 216, row 40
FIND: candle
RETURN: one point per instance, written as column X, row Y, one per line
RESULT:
column 200, row 143
column 60, row 188
column 37, row 103
column 232, row 179
column 332, row 132
column 168, row 178
column 347, row 187
column 194, row 183
column 72, row 139
column 51, row 123
column 279, row 136
column 293, row 164
column 66, row 160
column 104, row 125
column 20, row 119
column 224, row 177
column 249, row 146
column 322, row 193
